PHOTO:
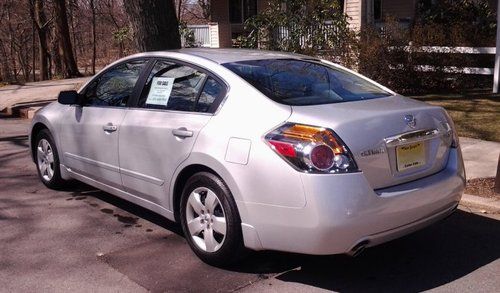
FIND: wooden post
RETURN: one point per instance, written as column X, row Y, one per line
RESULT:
column 497, row 179
column 496, row 76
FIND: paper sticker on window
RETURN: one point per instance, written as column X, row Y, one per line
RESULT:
column 161, row 88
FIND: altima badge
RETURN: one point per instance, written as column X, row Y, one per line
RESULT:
column 410, row 121
column 373, row 152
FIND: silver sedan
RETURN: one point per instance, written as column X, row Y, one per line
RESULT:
column 255, row 150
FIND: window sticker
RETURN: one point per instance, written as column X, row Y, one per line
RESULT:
column 161, row 88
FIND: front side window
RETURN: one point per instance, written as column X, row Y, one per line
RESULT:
column 114, row 87
column 172, row 86
column 300, row 82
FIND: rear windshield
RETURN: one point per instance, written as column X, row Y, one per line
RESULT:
column 300, row 82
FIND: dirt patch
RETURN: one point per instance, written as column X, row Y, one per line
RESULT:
column 483, row 187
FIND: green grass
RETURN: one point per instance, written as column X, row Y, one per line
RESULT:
column 476, row 114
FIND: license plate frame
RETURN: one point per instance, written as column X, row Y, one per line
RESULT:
column 410, row 156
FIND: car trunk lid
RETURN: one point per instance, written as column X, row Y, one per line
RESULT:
column 394, row 139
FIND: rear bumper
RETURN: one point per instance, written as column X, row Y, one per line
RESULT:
column 343, row 210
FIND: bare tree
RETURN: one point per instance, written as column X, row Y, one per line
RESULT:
column 70, row 67
column 198, row 10
column 34, row 42
column 11, row 46
column 17, row 41
column 6, row 72
column 154, row 24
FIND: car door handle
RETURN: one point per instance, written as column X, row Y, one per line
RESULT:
column 110, row 127
column 182, row 132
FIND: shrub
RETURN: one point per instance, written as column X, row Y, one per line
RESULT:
column 187, row 36
column 318, row 28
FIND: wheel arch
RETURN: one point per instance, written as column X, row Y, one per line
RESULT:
column 39, row 123
column 37, row 127
column 198, row 162
column 180, row 182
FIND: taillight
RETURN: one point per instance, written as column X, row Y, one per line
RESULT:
column 311, row 149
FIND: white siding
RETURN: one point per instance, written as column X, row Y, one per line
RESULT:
column 214, row 35
column 353, row 10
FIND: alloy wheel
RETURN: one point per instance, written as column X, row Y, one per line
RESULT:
column 45, row 159
column 206, row 219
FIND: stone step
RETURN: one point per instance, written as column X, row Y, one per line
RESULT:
column 28, row 113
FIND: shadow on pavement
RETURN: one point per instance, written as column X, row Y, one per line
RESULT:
column 18, row 140
column 427, row 259
column 80, row 191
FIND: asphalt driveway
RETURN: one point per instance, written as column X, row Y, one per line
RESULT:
column 82, row 239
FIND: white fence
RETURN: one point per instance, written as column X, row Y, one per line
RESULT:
column 205, row 35
column 329, row 30
column 454, row 50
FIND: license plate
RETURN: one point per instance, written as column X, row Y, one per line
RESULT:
column 410, row 156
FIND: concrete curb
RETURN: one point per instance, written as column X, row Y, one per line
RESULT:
column 489, row 203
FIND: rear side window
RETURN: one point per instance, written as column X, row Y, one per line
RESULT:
column 300, row 83
column 114, row 87
column 212, row 91
column 172, row 86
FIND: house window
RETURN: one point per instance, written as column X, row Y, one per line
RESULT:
column 377, row 10
column 241, row 10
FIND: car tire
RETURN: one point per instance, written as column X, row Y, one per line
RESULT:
column 47, row 160
column 205, row 202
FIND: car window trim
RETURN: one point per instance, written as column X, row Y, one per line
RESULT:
column 213, row 108
column 198, row 95
column 137, row 83
column 141, row 81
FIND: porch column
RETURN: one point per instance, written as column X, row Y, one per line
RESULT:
column 220, row 14
column 496, row 76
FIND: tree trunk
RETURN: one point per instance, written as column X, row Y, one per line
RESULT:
column 11, row 56
column 70, row 67
column 154, row 24
column 5, row 66
column 179, row 8
column 33, row 51
column 22, row 58
column 55, row 55
column 94, row 49
column 72, row 5
column 41, row 25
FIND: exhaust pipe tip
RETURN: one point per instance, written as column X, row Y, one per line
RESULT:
column 358, row 248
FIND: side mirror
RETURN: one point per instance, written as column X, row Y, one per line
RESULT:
column 69, row 98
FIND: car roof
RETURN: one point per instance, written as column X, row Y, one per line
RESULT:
column 228, row 55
